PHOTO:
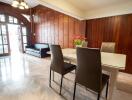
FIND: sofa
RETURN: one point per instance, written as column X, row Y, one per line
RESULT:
column 38, row 49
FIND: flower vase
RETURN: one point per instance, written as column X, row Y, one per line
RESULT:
column 78, row 46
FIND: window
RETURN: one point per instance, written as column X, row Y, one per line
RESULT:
column 1, row 49
column 24, row 39
column 10, row 19
column 2, row 18
column 3, row 39
column 3, row 28
column 13, row 20
column 5, row 48
column 24, row 46
column 0, row 39
column 24, row 31
column 24, row 35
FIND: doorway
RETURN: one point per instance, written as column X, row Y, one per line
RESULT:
column 14, row 39
column 13, row 35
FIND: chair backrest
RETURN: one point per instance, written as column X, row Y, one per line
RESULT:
column 57, row 62
column 108, row 47
column 89, row 70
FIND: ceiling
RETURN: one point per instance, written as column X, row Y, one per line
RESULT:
column 85, row 9
column 86, row 5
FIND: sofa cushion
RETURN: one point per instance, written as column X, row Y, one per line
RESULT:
column 39, row 46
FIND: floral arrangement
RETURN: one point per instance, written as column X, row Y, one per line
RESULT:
column 79, row 39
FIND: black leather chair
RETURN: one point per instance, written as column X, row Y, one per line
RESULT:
column 89, row 71
column 57, row 63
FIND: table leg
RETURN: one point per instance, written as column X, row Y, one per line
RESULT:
column 113, row 76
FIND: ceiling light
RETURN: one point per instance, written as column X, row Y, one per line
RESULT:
column 14, row 5
column 21, row 4
column 15, row 2
column 21, row 7
column 26, row 6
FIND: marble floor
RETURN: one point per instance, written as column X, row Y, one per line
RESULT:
column 24, row 77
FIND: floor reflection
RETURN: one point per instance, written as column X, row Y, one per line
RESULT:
column 13, row 68
column 25, row 77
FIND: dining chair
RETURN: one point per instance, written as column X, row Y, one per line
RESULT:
column 108, row 47
column 58, row 65
column 89, row 71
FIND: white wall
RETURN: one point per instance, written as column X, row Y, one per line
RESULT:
column 64, row 7
column 120, row 9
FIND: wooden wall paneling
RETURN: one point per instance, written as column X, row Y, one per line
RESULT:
column 88, row 32
column 54, row 33
column 49, row 28
column 61, row 26
column 77, row 27
column 124, row 40
column 45, row 29
column 116, row 29
column 66, row 32
column 94, row 39
column 39, row 28
column 56, row 29
column 100, row 35
column 71, row 31
column 42, row 29
column 117, row 26
column 49, row 34
column 129, row 58
column 129, row 69
column 83, row 27
column 124, row 34
column 41, row 35
column 52, row 27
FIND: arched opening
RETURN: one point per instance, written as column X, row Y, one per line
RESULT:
column 13, row 33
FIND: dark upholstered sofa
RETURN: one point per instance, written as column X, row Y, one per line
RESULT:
column 38, row 49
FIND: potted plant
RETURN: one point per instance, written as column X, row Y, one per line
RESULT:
column 79, row 39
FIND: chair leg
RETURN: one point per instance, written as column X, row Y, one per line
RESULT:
column 53, row 75
column 107, row 90
column 74, row 91
column 98, row 96
column 61, row 84
column 50, row 79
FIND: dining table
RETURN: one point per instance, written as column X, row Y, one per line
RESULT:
column 111, row 64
